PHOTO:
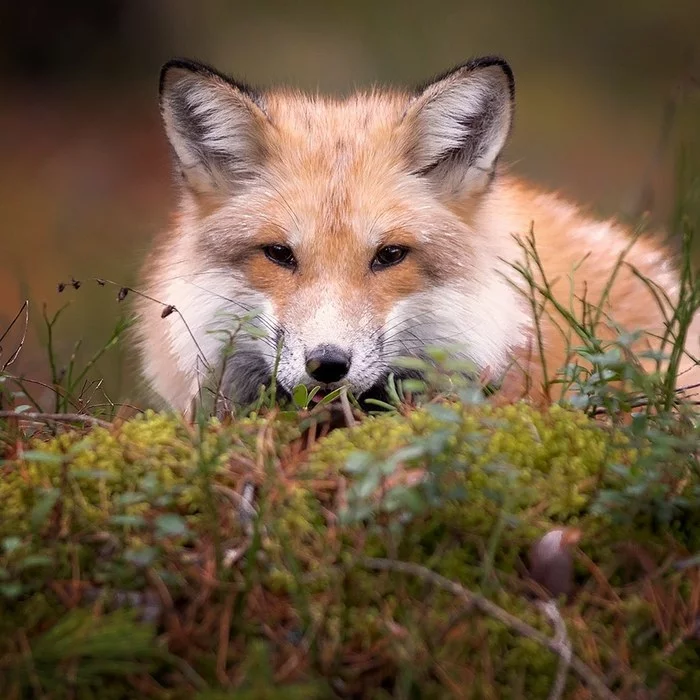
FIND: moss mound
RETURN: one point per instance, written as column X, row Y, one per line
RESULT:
column 251, row 560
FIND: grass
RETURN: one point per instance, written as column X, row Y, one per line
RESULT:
column 302, row 549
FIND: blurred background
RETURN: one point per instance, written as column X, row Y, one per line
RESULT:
column 84, row 182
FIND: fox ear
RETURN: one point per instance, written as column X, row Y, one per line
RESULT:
column 215, row 125
column 459, row 123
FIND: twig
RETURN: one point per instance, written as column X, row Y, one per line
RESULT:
column 347, row 409
column 15, row 354
column 234, row 555
column 493, row 610
column 57, row 418
column 57, row 389
column 14, row 320
column 246, row 514
column 561, row 637
column 673, row 646
column 246, row 509
column 639, row 400
column 188, row 672
column 31, row 667
column 224, row 637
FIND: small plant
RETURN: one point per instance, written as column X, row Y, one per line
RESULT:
column 75, row 390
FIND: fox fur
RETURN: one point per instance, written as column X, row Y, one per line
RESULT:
column 291, row 205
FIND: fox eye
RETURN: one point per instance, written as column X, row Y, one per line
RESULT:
column 389, row 255
column 280, row 255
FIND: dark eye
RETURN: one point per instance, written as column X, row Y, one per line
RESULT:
column 389, row 255
column 280, row 255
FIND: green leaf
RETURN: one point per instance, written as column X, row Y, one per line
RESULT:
column 142, row 557
column 11, row 544
column 381, row 404
column 626, row 340
column 455, row 364
column 330, row 396
column 404, row 497
column 97, row 474
column 415, row 386
column 611, row 358
column 474, row 394
column 443, row 413
column 437, row 353
column 411, row 363
column 39, row 456
column 408, row 453
column 170, row 524
column 654, row 355
column 367, row 485
column 43, row 507
column 136, row 521
column 254, row 331
column 150, row 484
column 36, row 560
column 128, row 499
column 289, row 416
column 300, row 395
column 11, row 590
column 358, row 462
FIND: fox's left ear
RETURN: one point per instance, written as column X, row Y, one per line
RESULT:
column 459, row 123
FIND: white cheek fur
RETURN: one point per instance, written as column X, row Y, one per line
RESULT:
column 483, row 321
column 210, row 305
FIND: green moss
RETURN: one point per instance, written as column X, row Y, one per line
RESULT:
column 144, row 507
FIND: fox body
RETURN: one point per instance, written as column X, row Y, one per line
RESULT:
column 360, row 230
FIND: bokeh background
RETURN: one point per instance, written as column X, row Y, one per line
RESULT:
column 84, row 176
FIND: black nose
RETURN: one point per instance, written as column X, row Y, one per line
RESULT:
column 327, row 364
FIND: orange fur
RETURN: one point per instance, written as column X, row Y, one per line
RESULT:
column 336, row 180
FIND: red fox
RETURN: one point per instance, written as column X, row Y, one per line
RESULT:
column 364, row 229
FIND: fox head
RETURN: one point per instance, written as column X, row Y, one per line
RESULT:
column 353, row 227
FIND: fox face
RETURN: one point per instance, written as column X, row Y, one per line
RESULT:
column 352, row 227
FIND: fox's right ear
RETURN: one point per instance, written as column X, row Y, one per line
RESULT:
column 215, row 126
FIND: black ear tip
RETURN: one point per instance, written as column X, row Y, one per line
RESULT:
column 168, row 67
column 491, row 61
column 182, row 64
column 475, row 64
column 201, row 69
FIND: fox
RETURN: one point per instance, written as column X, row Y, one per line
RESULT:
column 350, row 231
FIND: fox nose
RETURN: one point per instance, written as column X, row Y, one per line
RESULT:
column 327, row 364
